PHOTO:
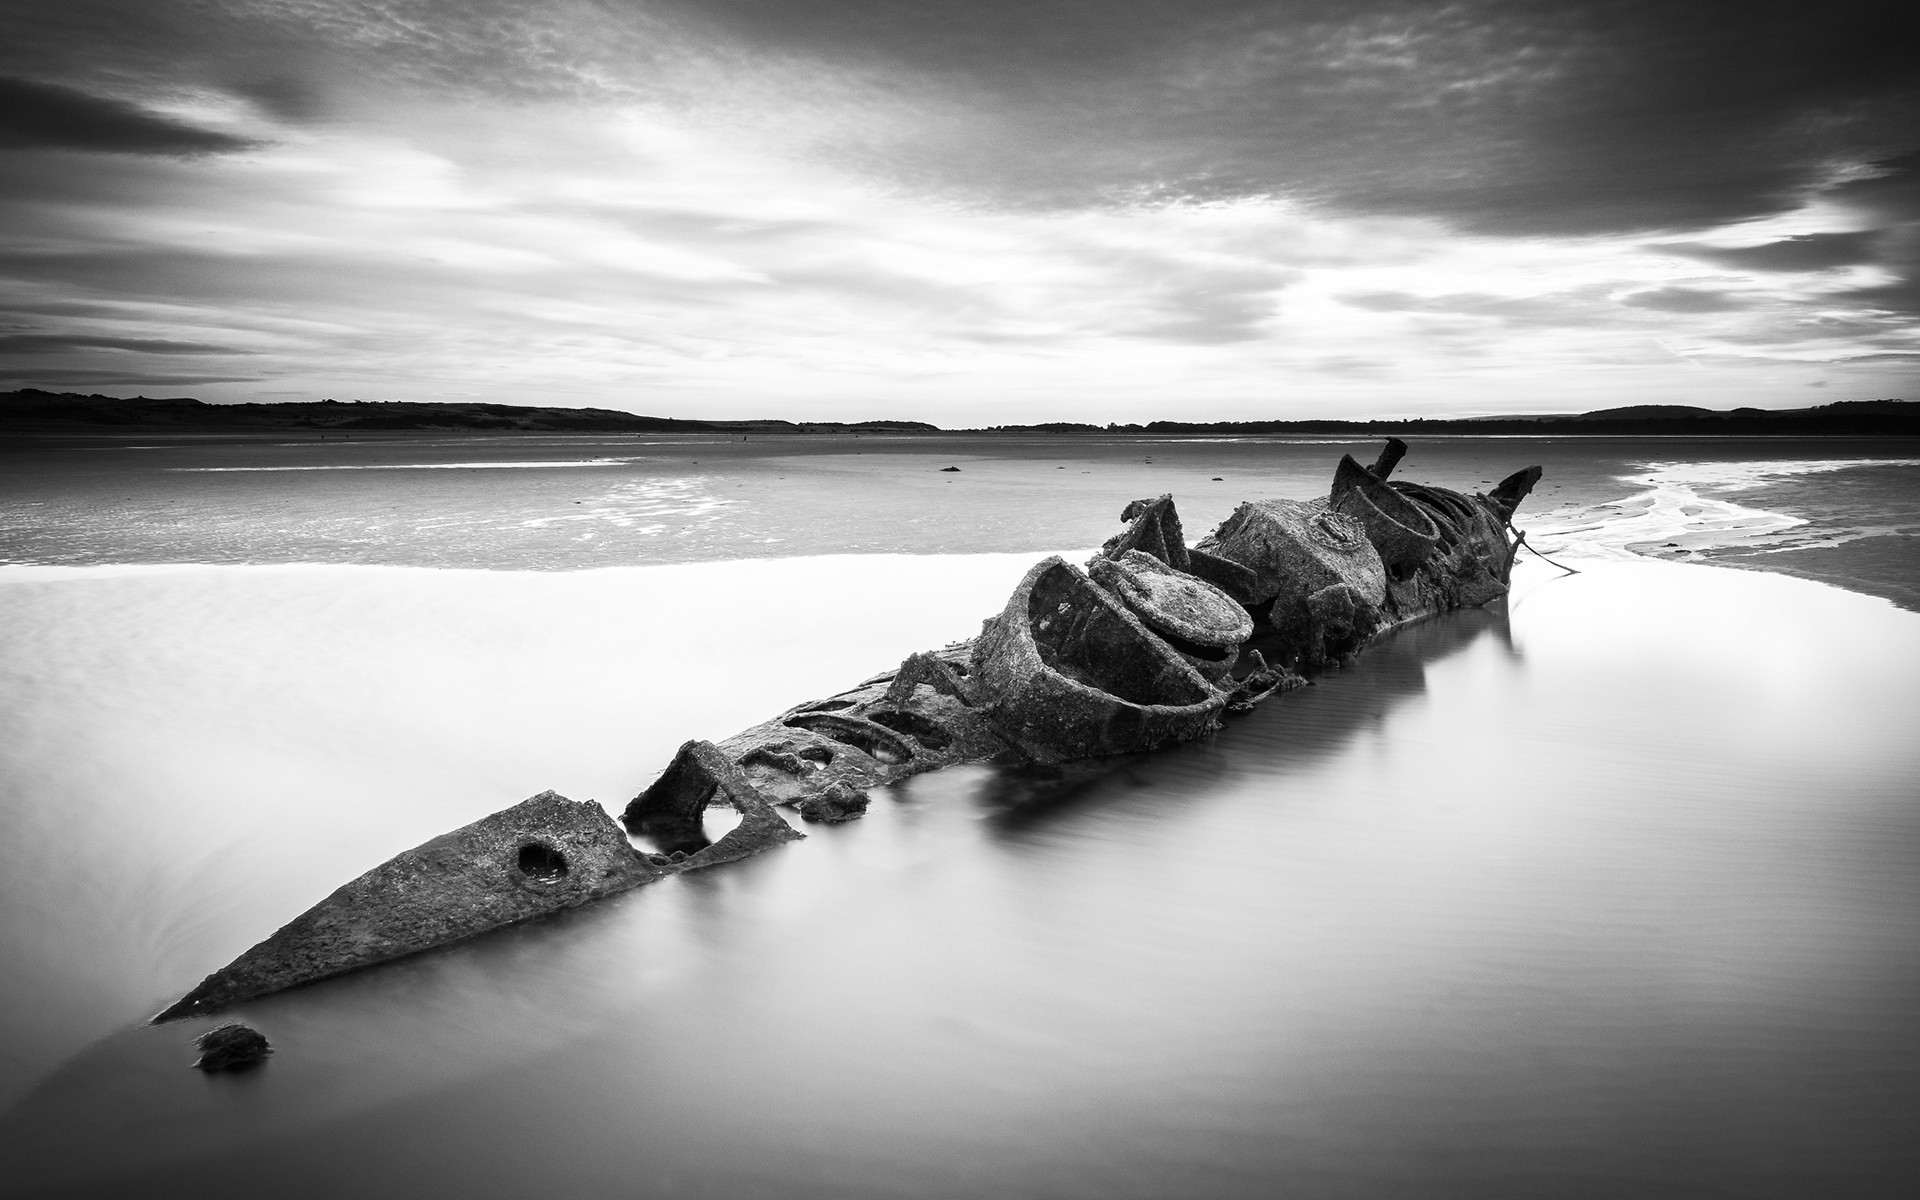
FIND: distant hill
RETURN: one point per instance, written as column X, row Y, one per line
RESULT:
column 1846, row 418
column 32, row 409
column 1646, row 412
column 38, row 411
column 1684, row 412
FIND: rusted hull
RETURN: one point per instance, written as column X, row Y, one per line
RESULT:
column 1150, row 645
column 542, row 855
column 1073, row 673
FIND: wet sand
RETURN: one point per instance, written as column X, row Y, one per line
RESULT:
column 571, row 503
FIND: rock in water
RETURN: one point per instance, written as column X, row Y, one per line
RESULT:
column 540, row 856
column 231, row 1046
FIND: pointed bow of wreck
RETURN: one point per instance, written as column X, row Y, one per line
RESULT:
column 542, row 855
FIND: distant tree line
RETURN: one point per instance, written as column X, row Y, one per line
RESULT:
column 32, row 408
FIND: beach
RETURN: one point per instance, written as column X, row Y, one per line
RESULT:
column 1608, row 887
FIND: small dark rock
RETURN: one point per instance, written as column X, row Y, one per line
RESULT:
column 949, row 468
column 230, row 1047
column 1218, row 479
column 840, row 802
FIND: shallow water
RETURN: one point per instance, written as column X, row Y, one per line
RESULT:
column 1614, row 888
column 1590, row 899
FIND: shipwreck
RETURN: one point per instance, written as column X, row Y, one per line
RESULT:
column 1152, row 642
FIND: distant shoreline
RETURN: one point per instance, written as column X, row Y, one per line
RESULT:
column 34, row 411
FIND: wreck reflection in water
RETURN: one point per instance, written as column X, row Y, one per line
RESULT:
column 1617, row 899
column 1295, row 732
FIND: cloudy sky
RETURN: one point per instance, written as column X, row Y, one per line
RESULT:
column 963, row 211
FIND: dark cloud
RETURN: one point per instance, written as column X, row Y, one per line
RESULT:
column 1575, row 307
column 55, row 343
column 1209, row 321
column 1684, row 300
column 1495, row 116
column 1901, row 296
column 1207, row 307
column 1890, row 198
column 1888, row 194
column 688, row 224
column 1354, row 366
column 45, row 115
column 1807, row 252
column 26, row 309
column 1893, row 356
column 284, row 96
column 297, row 59
column 1596, row 118
column 55, row 378
column 161, row 275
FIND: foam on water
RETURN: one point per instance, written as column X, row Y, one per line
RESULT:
column 626, row 505
column 533, row 465
column 1673, row 512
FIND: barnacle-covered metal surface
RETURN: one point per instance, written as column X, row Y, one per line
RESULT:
column 1205, row 624
column 1401, row 531
column 1069, row 672
column 1153, row 643
column 542, row 855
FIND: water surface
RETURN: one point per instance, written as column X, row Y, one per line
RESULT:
column 551, row 503
column 1612, row 888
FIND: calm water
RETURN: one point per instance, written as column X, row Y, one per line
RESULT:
column 1613, row 889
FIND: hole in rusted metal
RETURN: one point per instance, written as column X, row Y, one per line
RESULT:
column 542, row 862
